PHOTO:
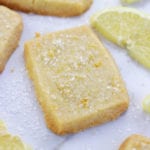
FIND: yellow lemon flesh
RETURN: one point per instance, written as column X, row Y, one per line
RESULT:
column 2, row 126
column 9, row 142
column 127, row 28
column 129, row 1
column 146, row 104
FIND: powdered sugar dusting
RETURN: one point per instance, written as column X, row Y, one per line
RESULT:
column 22, row 114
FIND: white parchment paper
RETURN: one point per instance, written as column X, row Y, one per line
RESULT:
column 22, row 114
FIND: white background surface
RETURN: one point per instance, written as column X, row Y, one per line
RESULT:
column 22, row 114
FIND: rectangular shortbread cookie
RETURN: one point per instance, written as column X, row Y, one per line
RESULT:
column 62, row 8
column 136, row 142
column 10, row 32
column 76, row 80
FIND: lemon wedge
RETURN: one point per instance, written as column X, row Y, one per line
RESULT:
column 9, row 142
column 127, row 28
column 129, row 1
column 2, row 126
column 146, row 104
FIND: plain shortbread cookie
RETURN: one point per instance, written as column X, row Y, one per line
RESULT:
column 63, row 8
column 10, row 31
column 136, row 142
